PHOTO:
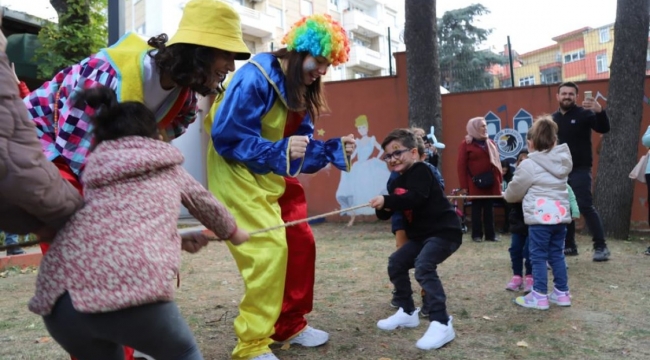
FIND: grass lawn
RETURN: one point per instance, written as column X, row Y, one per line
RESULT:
column 609, row 319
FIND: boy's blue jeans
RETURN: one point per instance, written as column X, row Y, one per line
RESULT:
column 519, row 254
column 546, row 243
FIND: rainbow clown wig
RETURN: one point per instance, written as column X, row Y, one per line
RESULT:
column 319, row 35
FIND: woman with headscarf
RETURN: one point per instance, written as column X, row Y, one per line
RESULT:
column 262, row 138
column 479, row 173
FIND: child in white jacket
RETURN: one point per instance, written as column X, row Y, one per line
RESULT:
column 541, row 181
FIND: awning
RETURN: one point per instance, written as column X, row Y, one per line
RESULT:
column 21, row 50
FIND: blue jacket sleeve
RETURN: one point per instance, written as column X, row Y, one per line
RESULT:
column 237, row 124
column 320, row 153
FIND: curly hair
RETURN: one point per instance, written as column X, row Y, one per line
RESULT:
column 187, row 65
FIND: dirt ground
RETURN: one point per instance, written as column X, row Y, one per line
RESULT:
column 609, row 319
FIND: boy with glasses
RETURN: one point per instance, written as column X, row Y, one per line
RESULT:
column 420, row 197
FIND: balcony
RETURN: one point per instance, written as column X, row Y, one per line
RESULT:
column 255, row 23
column 368, row 59
column 368, row 26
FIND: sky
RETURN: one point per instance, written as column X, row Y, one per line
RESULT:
column 531, row 24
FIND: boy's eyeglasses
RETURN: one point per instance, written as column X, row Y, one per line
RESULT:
column 395, row 154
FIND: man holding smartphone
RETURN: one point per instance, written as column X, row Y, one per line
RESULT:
column 575, row 124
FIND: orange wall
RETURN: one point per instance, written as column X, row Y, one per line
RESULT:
column 569, row 46
column 590, row 66
column 384, row 101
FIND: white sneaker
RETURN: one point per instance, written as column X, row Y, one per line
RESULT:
column 266, row 356
column 137, row 354
column 311, row 337
column 400, row 319
column 437, row 335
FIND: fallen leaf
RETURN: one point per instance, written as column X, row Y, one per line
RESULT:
column 522, row 344
column 3, row 274
column 285, row 346
column 574, row 328
column 613, row 286
column 383, row 345
column 385, row 359
column 44, row 339
column 487, row 318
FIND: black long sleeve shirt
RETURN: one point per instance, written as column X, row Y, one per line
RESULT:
column 427, row 212
column 574, row 129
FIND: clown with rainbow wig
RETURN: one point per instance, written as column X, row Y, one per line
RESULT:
column 262, row 139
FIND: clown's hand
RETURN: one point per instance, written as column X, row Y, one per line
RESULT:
column 377, row 202
column 349, row 143
column 298, row 146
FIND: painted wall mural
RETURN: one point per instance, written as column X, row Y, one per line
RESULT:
column 368, row 174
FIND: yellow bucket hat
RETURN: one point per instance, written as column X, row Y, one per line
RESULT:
column 211, row 23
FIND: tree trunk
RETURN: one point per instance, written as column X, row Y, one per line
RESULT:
column 613, row 195
column 422, row 66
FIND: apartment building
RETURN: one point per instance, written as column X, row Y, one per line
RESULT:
column 264, row 22
column 579, row 55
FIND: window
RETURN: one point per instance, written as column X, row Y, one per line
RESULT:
column 601, row 63
column 361, row 40
column 604, row 35
column 142, row 29
column 306, row 7
column 360, row 75
column 334, row 4
column 527, row 81
column 278, row 16
column 551, row 76
column 574, row 56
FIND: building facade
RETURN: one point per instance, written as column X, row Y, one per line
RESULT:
column 374, row 27
column 580, row 55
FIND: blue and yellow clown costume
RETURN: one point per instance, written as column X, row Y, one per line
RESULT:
column 250, row 171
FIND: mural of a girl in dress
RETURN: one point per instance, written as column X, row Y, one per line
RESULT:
column 367, row 177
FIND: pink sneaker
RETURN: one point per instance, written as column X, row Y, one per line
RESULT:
column 560, row 298
column 515, row 284
column 528, row 283
column 533, row 300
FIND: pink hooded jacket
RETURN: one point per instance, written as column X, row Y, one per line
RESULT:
column 122, row 249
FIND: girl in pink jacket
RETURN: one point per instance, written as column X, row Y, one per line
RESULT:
column 115, row 260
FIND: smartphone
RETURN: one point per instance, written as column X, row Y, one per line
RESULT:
column 588, row 95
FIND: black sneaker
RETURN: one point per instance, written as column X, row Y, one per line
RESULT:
column 571, row 251
column 647, row 252
column 477, row 239
column 601, row 254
